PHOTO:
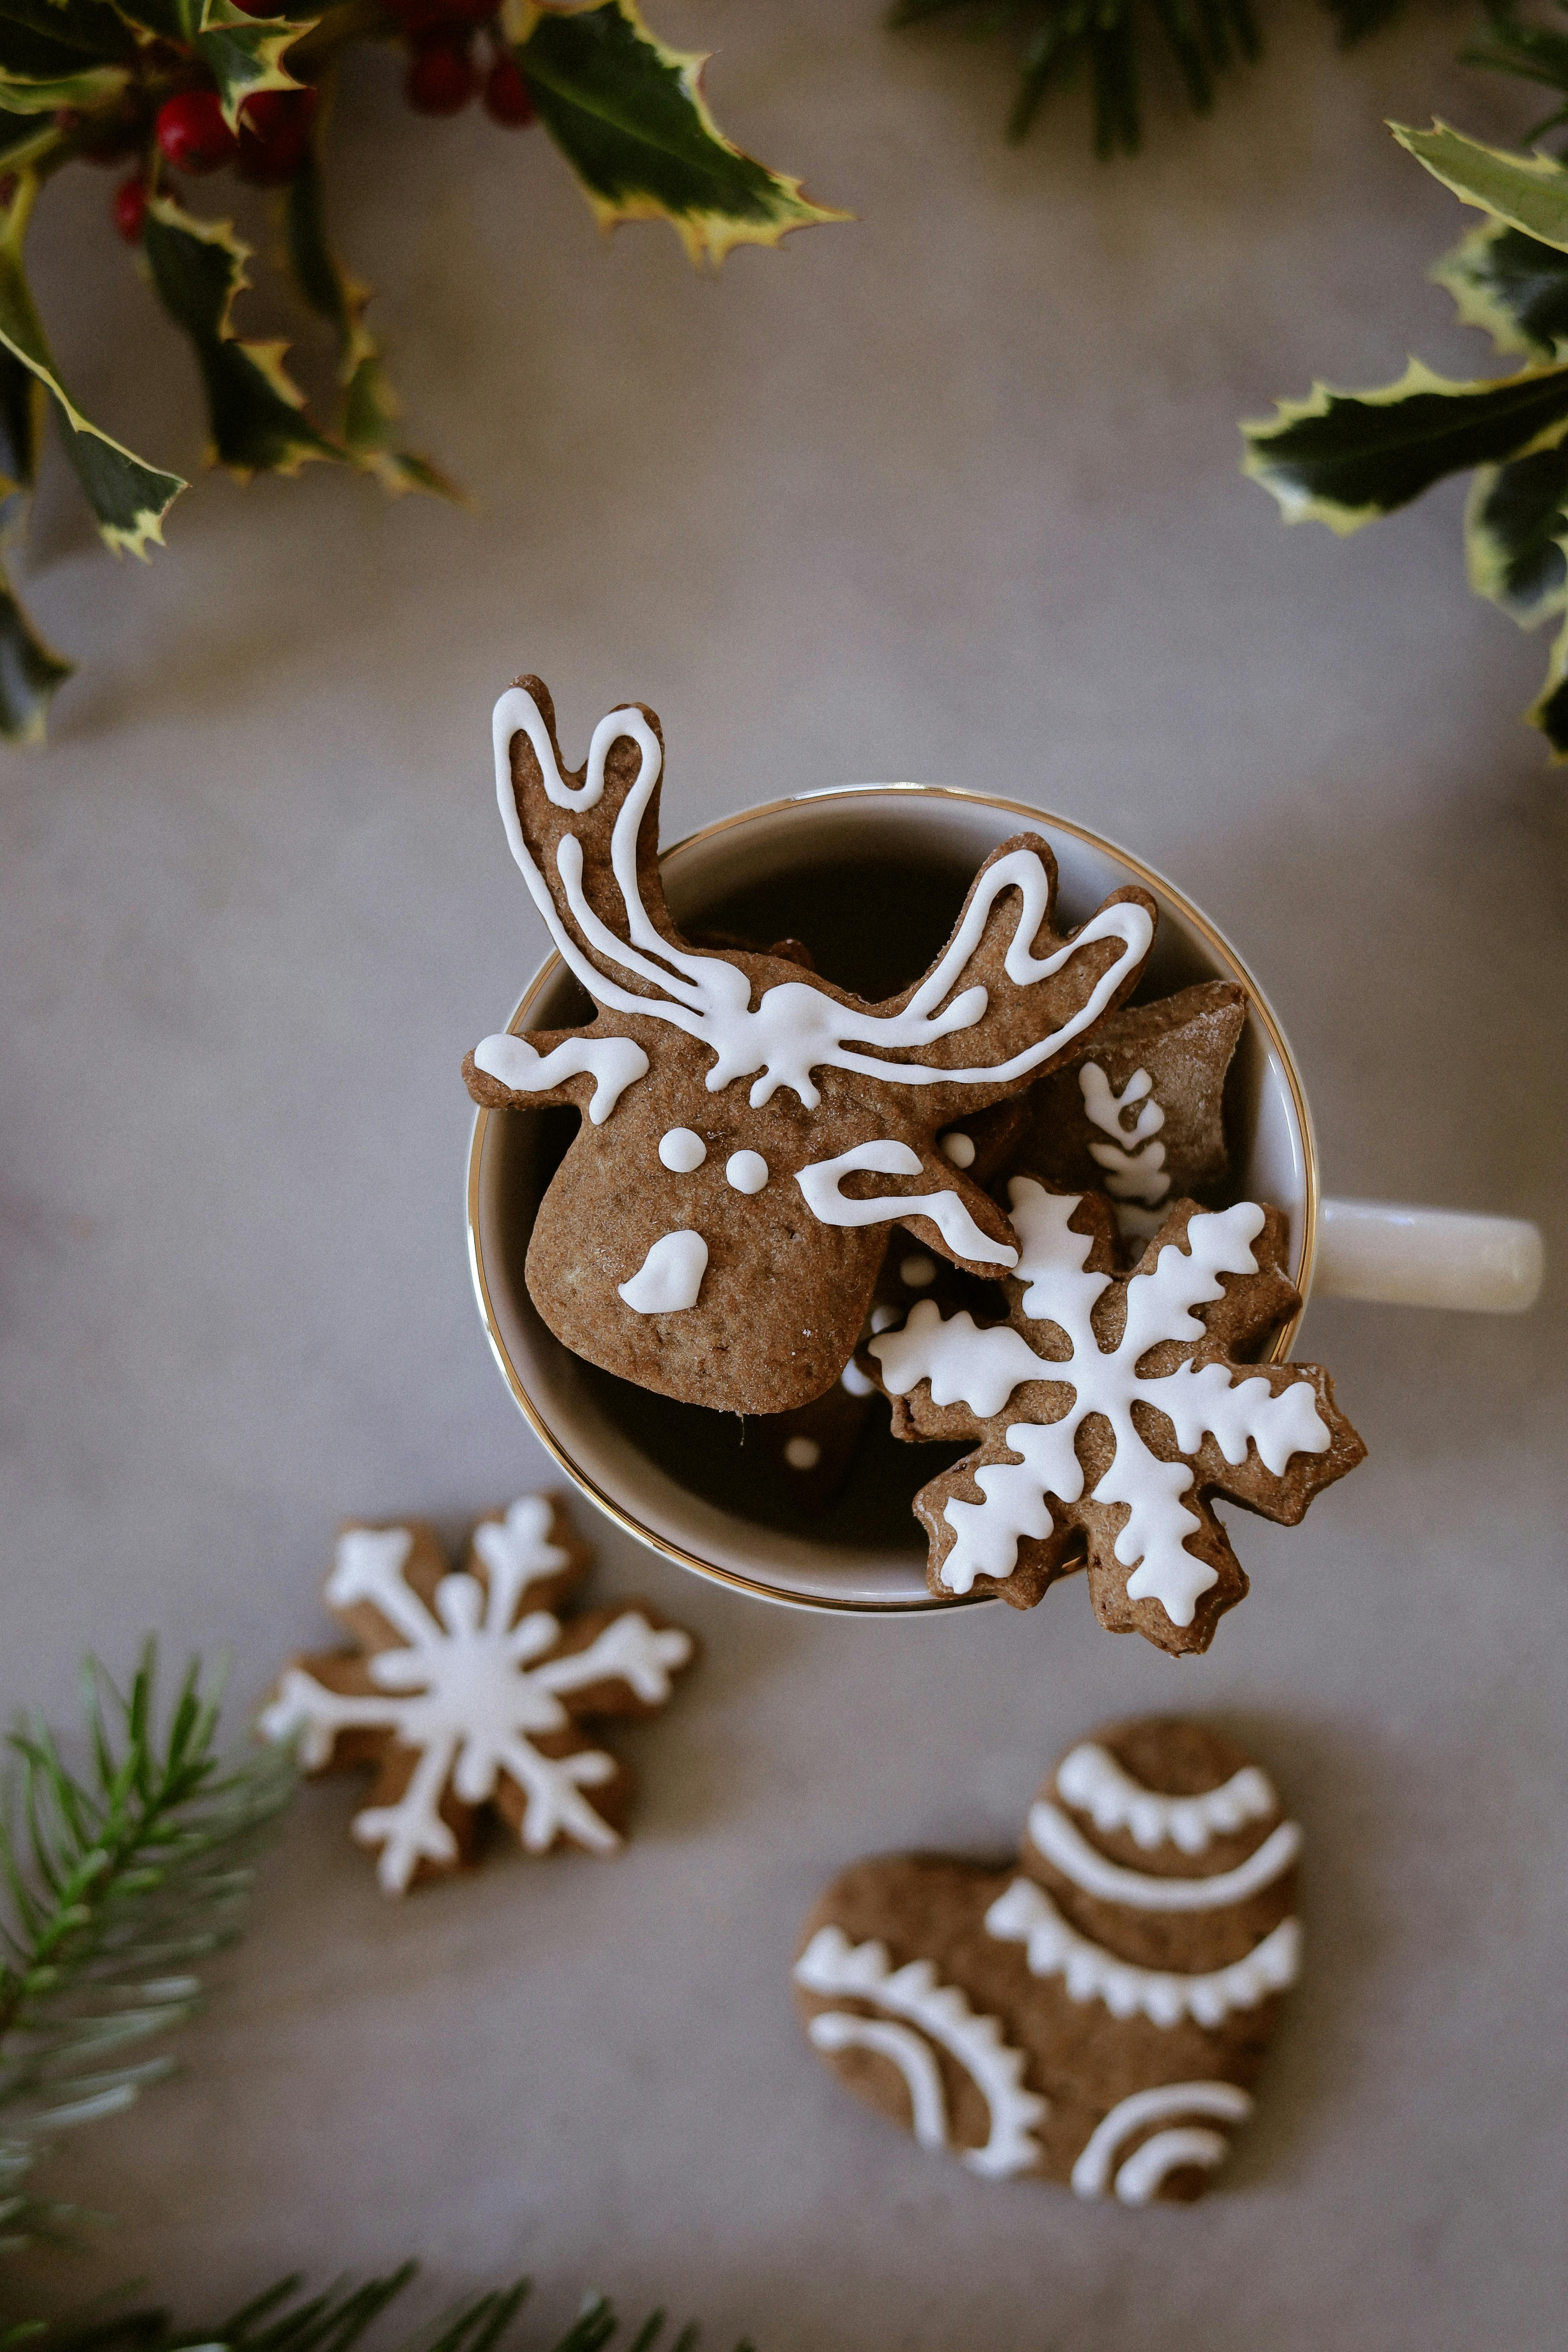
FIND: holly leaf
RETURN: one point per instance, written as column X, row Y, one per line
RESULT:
column 21, row 94
column 1344, row 458
column 629, row 116
column 30, row 671
column 1549, row 711
column 370, row 407
column 244, row 54
column 57, row 53
column 1514, row 527
column 254, row 410
column 1528, row 192
column 129, row 497
column 1510, row 285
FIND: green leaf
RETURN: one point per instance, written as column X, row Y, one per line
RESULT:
column 46, row 40
column 1528, row 192
column 129, row 497
column 1344, row 458
column 244, row 54
column 629, row 116
column 369, row 406
column 30, row 671
column 1511, row 285
column 1514, row 527
column 20, row 95
column 254, row 411
column 1549, row 711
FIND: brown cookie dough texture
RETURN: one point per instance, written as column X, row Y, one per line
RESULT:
column 705, row 1236
column 467, row 1691
column 1096, row 2016
column 1111, row 1410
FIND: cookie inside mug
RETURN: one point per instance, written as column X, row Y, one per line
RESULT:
column 870, row 879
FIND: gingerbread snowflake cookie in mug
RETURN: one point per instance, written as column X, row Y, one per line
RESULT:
column 1096, row 2016
column 750, row 1130
column 1110, row 1408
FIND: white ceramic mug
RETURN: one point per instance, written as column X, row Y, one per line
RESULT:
column 763, row 872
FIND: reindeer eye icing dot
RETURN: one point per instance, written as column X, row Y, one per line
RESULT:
column 747, row 1171
column 959, row 1148
column 681, row 1151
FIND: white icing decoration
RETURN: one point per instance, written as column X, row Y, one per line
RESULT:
column 802, row 1453
column 682, row 1150
column 613, row 1063
column 915, row 1273
column 1091, row 2173
column 837, row 2029
column 820, row 1181
column 669, row 1278
column 1139, row 1174
column 796, row 1027
column 855, row 1380
column 1062, row 1843
column 1163, row 2153
column 959, row 1148
column 747, row 1171
column 883, row 1315
column 981, row 1368
column 1025, row 1915
column 464, row 1694
column 1089, row 1777
column 830, row 1964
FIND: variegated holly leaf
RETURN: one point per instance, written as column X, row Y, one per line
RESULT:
column 129, row 497
column 30, row 671
column 244, row 54
column 56, row 53
column 629, row 116
column 1514, row 528
column 1510, row 285
column 370, row 407
column 1549, row 711
column 1528, row 192
column 1344, row 458
column 254, row 410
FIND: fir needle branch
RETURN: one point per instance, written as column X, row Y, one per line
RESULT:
column 111, row 1885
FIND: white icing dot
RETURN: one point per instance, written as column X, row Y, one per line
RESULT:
column 746, row 1170
column 681, row 1151
column 802, row 1453
column 917, row 1272
column 959, row 1148
column 853, row 1379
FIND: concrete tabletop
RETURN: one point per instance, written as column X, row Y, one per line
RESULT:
column 949, row 493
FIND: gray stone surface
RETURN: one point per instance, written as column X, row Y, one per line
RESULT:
column 949, row 493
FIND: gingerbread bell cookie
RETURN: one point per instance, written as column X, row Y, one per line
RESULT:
column 467, row 1689
column 752, row 1131
column 1111, row 1409
column 1098, row 2015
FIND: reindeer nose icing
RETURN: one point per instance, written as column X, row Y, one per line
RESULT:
column 790, row 1186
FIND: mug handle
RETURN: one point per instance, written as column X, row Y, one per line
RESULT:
column 1400, row 1257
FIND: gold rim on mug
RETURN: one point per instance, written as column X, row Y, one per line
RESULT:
column 1224, row 953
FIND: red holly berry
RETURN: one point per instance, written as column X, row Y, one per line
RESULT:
column 129, row 206
column 192, row 133
column 507, row 99
column 275, row 135
column 440, row 78
column 424, row 17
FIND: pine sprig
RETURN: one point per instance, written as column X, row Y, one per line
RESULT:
column 116, row 1882
column 336, row 2321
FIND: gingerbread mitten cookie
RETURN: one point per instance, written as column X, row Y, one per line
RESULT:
column 750, row 1130
column 1096, row 2017
column 469, row 1689
column 1110, row 1408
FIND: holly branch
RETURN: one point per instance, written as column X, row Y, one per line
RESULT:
column 183, row 89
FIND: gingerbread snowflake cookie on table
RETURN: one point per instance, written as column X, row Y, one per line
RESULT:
column 1098, row 2015
column 1110, row 1408
column 751, row 1132
column 466, row 1690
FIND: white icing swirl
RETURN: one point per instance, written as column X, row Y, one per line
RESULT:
column 1090, row 1779
column 1062, row 1843
column 1025, row 1915
column 613, row 1063
column 1143, row 2170
column 821, row 1179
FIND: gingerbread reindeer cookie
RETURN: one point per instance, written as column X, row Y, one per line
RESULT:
column 1096, row 2017
column 751, row 1132
column 1111, row 1408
